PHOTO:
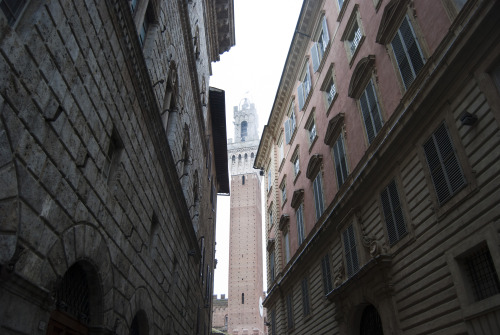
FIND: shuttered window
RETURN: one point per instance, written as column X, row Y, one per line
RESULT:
column 407, row 52
column 330, row 91
column 289, row 310
column 319, row 46
column 351, row 253
column 271, row 265
column 269, row 181
column 300, row 224
column 371, row 111
column 304, row 87
column 447, row 175
column 318, row 195
column 305, row 297
column 286, row 237
column 327, row 277
column 339, row 157
column 393, row 213
column 290, row 125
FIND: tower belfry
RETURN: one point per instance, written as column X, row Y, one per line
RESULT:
column 245, row 313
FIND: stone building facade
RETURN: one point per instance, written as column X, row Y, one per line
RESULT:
column 245, row 313
column 219, row 313
column 107, row 219
column 381, row 170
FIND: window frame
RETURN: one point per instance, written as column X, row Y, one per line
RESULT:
column 340, row 139
column 289, row 310
column 290, row 124
column 284, row 197
column 305, row 81
column 319, row 206
column 348, row 245
column 329, row 97
column 399, row 235
column 309, row 126
column 301, row 230
column 295, row 160
column 370, row 113
column 306, row 299
column 353, row 22
column 272, row 265
column 319, row 50
column 286, row 244
column 326, row 271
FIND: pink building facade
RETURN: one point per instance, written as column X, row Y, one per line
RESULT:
column 381, row 147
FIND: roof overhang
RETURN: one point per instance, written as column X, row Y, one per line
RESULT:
column 217, row 100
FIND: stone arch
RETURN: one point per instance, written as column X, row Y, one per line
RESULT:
column 140, row 311
column 84, row 244
column 9, row 196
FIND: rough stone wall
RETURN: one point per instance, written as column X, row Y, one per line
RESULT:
column 73, row 79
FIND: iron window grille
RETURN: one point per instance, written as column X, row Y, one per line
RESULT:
column 481, row 273
column 393, row 213
column 73, row 294
column 446, row 173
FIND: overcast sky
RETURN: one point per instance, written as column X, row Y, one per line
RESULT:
column 264, row 30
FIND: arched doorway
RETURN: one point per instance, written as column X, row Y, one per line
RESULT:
column 370, row 323
column 76, row 305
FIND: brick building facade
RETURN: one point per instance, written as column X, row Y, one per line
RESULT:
column 245, row 314
column 107, row 220
column 381, row 163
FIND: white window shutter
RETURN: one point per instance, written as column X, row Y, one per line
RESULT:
column 287, row 131
column 300, row 94
column 315, row 56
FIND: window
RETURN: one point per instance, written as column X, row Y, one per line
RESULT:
column 300, row 223
column 318, row 195
column 331, row 91
column 393, row 213
column 133, row 5
column 371, row 111
column 353, row 35
column 290, row 123
column 12, row 9
column 481, row 273
column 311, row 128
column 351, row 253
column 273, row 322
column 304, row 86
column 296, row 165
column 281, row 151
column 242, row 180
column 327, row 276
column 305, row 297
column 269, row 179
column 446, row 173
column 271, row 216
column 318, row 49
column 407, row 52
column 242, row 298
column 244, row 130
column 340, row 159
column 289, row 310
column 286, row 237
column 340, row 2
column 143, row 30
column 271, row 265
column 283, row 191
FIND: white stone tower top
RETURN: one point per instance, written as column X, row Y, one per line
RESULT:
column 242, row 152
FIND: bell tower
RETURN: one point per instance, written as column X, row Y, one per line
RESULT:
column 245, row 313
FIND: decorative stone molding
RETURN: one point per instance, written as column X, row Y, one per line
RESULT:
column 284, row 220
column 297, row 197
column 270, row 244
column 360, row 76
column 314, row 165
column 333, row 129
column 392, row 16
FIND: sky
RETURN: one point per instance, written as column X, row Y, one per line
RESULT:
column 253, row 67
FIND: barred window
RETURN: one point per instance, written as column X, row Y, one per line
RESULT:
column 446, row 173
column 393, row 213
column 407, row 52
column 481, row 273
column 351, row 253
column 327, row 277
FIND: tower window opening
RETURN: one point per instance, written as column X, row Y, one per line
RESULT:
column 244, row 130
column 243, row 298
column 243, row 180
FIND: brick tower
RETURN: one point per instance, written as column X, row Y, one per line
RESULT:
column 245, row 246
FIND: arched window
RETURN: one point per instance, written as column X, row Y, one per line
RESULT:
column 370, row 323
column 246, row 156
column 252, row 155
column 239, row 157
column 244, row 133
column 234, row 158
